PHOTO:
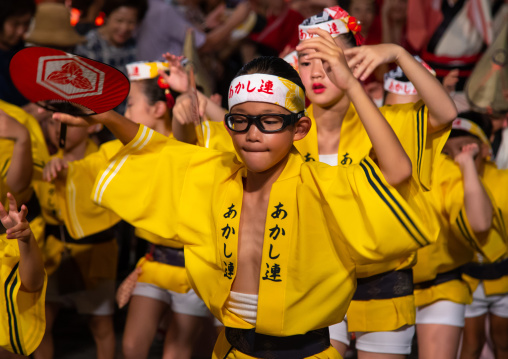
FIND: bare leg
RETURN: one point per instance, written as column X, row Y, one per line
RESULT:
column 182, row 335
column 499, row 333
column 46, row 349
column 369, row 355
column 473, row 338
column 438, row 341
column 104, row 335
column 339, row 346
column 142, row 321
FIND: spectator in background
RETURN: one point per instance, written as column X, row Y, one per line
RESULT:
column 15, row 16
column 281, row 29
column 308, row 8
column 52, row 28
column 451, row 34
column 164, row 29
column 394, row 23
column 499, row 139
column 88, row 12
column 113, row 43
column 364, row 11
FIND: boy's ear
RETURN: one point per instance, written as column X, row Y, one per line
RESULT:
column 484, row 150
column 302, row 127
column 94, row 128
column 160, row 108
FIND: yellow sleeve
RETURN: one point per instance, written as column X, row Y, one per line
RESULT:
column 409, row 121
column 144, row 181
column 375, row 220
column 215, row 136
column 22, row 318
column 83, row 217
column 40, row 154
column 491, row 245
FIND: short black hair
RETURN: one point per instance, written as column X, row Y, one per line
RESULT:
column 348, row 39
column 271, row 65
column 152, row 90
column 10, row 8
column 140, row 5
column 480, row 119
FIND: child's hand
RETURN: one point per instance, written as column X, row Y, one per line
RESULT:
column 450, row 80
column 12, row 129
column 57, row 167
column 215, row 17
column 84, row 121
column 286, row 51
column 332, row 56
column 190, row 107
column 467, row 155
column 183, row 111
column 363, row 60
column 177, row 78
column 15, row 222
column 216, row 99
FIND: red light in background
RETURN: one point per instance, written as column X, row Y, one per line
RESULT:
column 99, row 20
column 75, row 15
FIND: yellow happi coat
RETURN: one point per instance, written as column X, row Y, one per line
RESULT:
column 22, row 317
column 40, row 157
column 83, row 172
column 495, row 180
column 409, row 122
column 457, row 241
column 68, row 203
column 322, row 222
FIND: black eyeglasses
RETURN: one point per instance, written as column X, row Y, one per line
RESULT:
column 266, row 123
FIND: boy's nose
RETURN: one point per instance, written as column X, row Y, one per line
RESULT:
column 253, row 134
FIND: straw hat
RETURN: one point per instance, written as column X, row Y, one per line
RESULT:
column 52, row 27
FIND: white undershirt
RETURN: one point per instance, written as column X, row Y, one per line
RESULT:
column 243, row 305
column 332, row 160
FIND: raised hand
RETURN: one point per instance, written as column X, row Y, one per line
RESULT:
column 177, row 78
column 331, row 55
column 15, row 221
column 468, row 154
column 57, row 167
column 189, row 108
column 450, row 80
column 363, row 60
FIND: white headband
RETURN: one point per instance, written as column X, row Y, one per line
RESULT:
column 292, row 59
column 469, row 126
column 333, row 27
column 399, row 87
column 145, row 70
column 266, row 88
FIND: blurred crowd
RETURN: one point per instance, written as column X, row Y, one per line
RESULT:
column 216, row 38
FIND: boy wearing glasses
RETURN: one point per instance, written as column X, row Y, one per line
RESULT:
column 268, row 238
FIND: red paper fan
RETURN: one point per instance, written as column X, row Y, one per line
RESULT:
column 67, row 83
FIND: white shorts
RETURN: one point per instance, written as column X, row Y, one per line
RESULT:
column 441, row 312
column 393, row 342
column 99, row 300
column 184, row 303
column 483, row 304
